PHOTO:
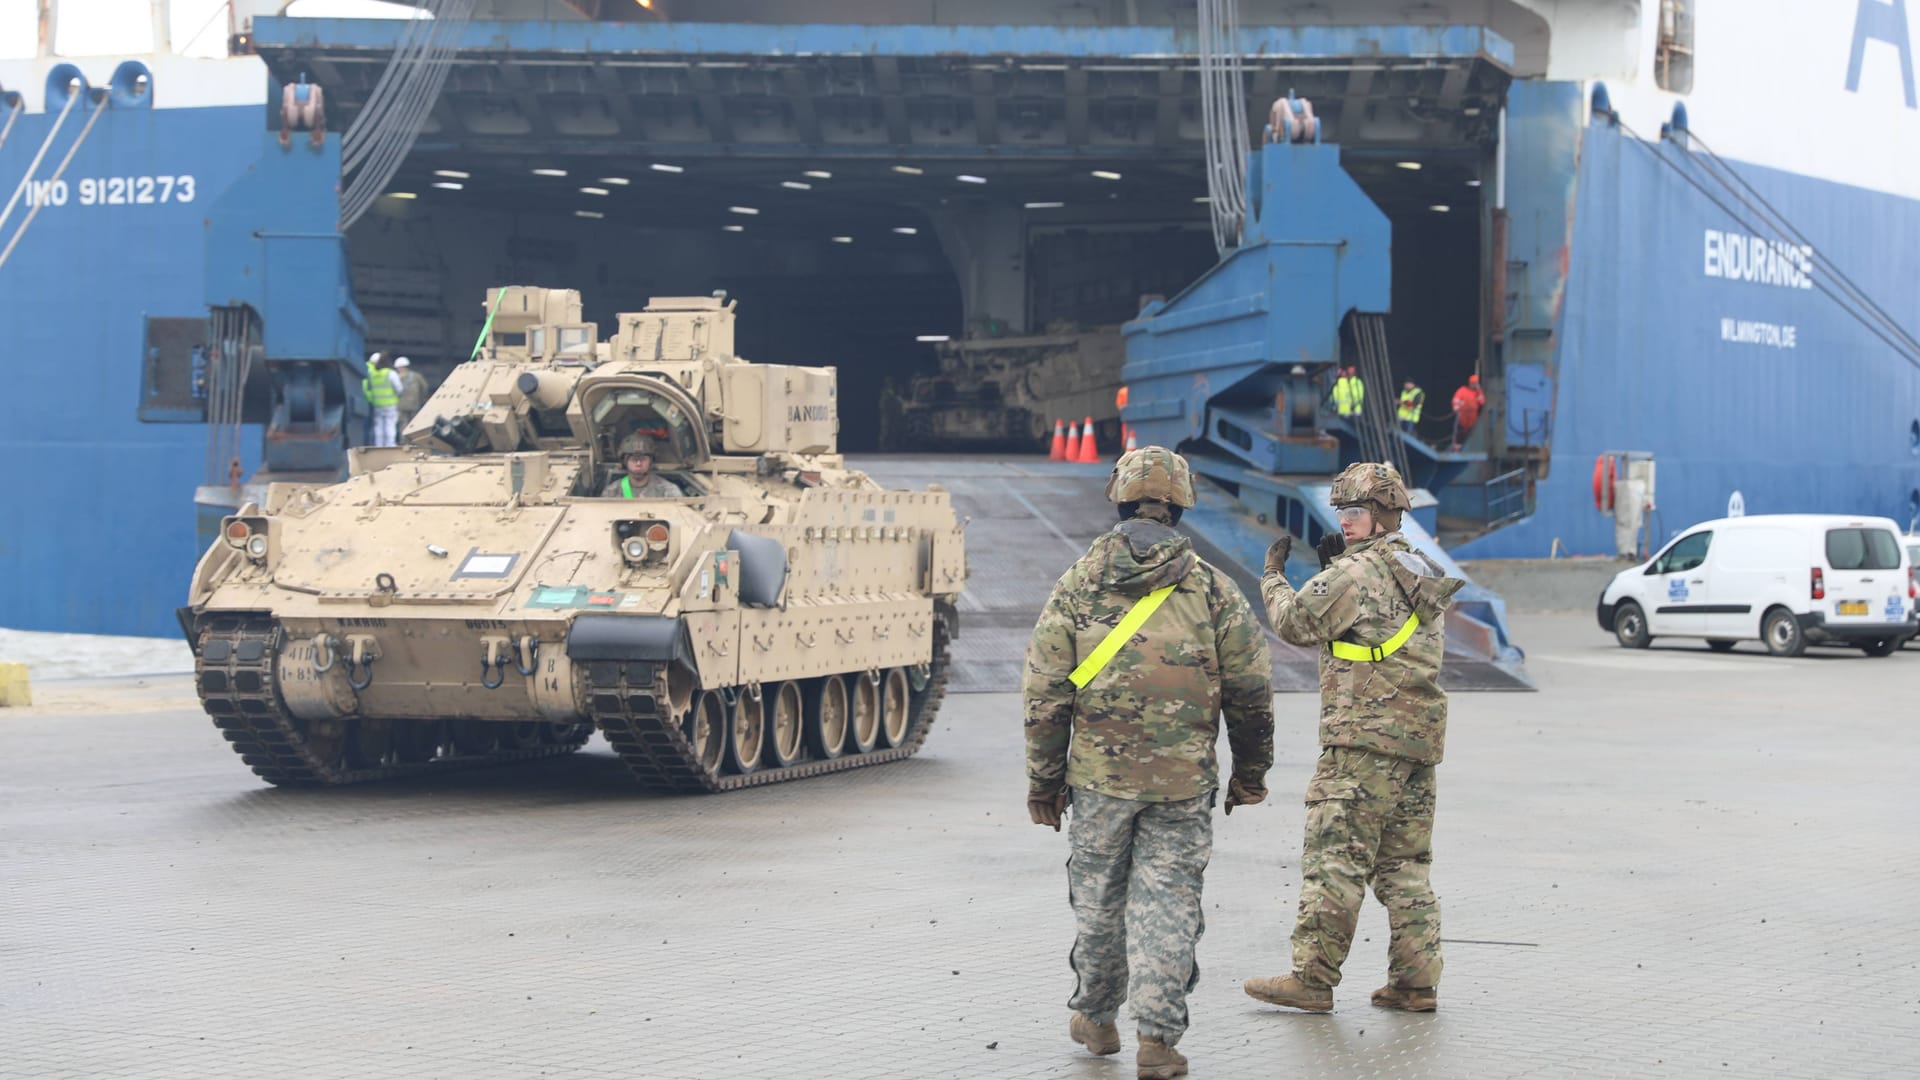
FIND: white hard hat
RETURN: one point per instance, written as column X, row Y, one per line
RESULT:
column 403, row 362
column 373, row 359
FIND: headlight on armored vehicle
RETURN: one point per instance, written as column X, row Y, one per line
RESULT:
column 636, row 550
column 643, row 542
column 257, row 546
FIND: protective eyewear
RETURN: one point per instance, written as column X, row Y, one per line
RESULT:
column 1350, row 513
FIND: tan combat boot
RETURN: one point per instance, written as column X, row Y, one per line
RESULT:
column 1158, row 1061
column 1100, row 1039
column 1292, row 993
column 1407, row 998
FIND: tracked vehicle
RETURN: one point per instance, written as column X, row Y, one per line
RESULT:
column 471, row 597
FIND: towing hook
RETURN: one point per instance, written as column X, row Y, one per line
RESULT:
column 492, row 660
column 360, row 657
column 528, row 660
column 323, row 653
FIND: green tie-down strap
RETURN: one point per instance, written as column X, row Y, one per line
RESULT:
column 1143, row 610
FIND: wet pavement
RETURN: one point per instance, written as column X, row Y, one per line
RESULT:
column 1666, row 863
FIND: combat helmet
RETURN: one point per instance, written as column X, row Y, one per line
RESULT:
column 1151, row 472
column 1370, row 482
column 637, row 443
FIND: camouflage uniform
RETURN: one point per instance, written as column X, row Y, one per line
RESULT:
column 1136, row 747
column 1383, row 725
column 654, row 486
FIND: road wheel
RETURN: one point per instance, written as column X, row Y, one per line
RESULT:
column 707, row 729
column 1720, row 644
column 1781, row 631
column 747, row 733
column 783, row 724
column 1630, row 625
column 1883, row 647
column 863, row 730
column 827, row 717
column 894, row 699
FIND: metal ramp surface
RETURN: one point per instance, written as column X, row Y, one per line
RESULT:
column 1028, row 519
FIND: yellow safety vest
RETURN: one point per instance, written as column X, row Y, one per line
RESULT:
column 1348, row 393
column 1103, row 653
column 1346, row 650
column 380, row 392
column 1411, row 402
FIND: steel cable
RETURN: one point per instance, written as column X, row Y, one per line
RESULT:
column 1223, row 116
column 34, row 211
column 421, row 88
column 359, row 135
column 13, row 114
column 38, row 155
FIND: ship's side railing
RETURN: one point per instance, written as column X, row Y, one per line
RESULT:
column 1507, row 497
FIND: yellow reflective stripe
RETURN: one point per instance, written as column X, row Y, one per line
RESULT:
column 1143, row 610
column 1346, row 650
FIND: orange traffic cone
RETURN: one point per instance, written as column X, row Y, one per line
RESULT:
column 1089, row 446
column 1073, row 443
column 1059, row 451
column 1133, row 440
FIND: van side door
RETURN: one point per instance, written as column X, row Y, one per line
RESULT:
column 1679, row 591
column 1752, row 569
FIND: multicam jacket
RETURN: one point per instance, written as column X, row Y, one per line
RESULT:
column 1145, row 727
column 1393, row 706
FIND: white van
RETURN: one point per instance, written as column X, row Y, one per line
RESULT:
column 1789, row 580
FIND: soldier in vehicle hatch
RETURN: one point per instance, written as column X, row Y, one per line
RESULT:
column 1376, row 609
column 640, row 481
column 1122, row 708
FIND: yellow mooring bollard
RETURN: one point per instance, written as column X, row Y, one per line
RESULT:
column 13, row 686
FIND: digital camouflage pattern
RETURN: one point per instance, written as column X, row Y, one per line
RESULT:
column 1134, row 879
column 654, row 486
column 1393, row 706
column 1146, row 726
column 1369, row 822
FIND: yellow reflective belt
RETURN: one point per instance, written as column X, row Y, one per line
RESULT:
column 1143, row 610
column 1346, row 650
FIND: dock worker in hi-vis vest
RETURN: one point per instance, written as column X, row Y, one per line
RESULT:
column 1374, row 611
column 1140, row 650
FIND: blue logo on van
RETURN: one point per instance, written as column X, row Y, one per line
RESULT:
column 1676, row 589
column 1896, row 611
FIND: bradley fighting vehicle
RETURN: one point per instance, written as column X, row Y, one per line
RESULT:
column 470, row 597
column 1009, row 391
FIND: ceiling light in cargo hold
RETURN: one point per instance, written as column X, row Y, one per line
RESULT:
column 743, row 210
column 453, row 174
column 1104, row 174
column 593, row 191
column 657, row 167
column 1440, row 208
column 734, row 228
column 1045, row 205
column 905, row 230
column 1203, row 198
column 843, row 239
column 933, row 337
column 966, row 179
column 595, row 214
column 1473, row 183
column 549, row 172
column 818, row 174
column 401, row 195
column 908, row 170
column 795, row 185
column 448, row 185
column 616, row 181
column 1412, row 165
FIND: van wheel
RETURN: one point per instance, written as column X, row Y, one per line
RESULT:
column 1630, row 625
column 1781, row 631
column 1720, row 644
column 1883, row 647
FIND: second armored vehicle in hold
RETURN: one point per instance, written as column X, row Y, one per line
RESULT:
column 472, row 596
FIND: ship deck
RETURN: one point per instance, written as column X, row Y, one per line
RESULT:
column 1670, row 863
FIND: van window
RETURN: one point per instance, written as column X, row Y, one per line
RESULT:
column 1862, row 549
column 1686, row 553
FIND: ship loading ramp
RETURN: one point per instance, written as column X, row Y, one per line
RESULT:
column 1028, row 519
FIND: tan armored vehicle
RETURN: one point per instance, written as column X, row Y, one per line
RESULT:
column 1009, row 391
column 472, row 596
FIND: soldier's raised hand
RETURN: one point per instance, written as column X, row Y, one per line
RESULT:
column 1329, row 548
column 1277, row 554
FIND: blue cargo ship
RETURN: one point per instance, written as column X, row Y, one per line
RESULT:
column 1662, row 230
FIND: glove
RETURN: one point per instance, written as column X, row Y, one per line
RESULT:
column 1330, row 547
column 1277, row 554
column 1045, row 807
column 1240, row 794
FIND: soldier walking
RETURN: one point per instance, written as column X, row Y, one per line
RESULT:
column 1141, row 647
column 1376, row 608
